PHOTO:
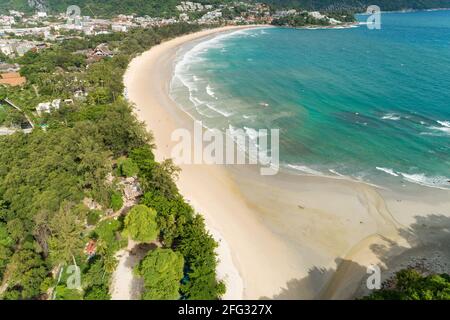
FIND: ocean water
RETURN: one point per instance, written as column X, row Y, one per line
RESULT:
column 372, row 105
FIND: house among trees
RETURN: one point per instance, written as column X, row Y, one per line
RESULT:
column 47, row 107
column 12, row 79
column 91, row 248
column 100, row 52
column 7, row 67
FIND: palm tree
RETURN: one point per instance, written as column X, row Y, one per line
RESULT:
column 109, row 263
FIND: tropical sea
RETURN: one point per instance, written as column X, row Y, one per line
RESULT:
column 370, row 105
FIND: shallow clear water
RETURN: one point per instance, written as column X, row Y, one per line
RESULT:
column 368, row 104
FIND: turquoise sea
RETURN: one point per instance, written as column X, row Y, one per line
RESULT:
column 372, row 105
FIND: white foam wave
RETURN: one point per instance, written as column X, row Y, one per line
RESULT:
column 210, row 91
column 388, row 171
column 185, row 75
column 251, row 133
column 421, row 179
column 222, row 112
column 196, row 101
column 337, row 173
column 305, row 169
column 444, row 123
column 391, row 116
column 443, row 129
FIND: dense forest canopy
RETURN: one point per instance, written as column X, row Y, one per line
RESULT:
column 167, row 7
column 61, row 186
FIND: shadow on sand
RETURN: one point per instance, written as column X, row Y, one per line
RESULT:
column 429, row 251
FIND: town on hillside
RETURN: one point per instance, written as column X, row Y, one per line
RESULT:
column 22, row 32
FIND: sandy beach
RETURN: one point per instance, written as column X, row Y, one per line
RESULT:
column 289, row 236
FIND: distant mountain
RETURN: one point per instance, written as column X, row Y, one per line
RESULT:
column 167, row 7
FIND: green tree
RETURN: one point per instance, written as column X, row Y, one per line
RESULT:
column 173, row 214
column 140, row 224
column 97, row 293
column 197, row 246
column 162, row 271
column 5, row 255
column 116, row 202
column 127, row 168
column 66, row 242
column 93, row 217
column 5, row 238
column 27, row 272
column 16, row 229
column 108, row 233
column 411, row 285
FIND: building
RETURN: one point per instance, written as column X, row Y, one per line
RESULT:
column 119, row 27
column 48, row 107
column 184, row 17
column 41, row 14
column 102, row 50
column 11, row 47
column 80, row 95
column 16, row 13
column 12, row 79
column 91, row 248
column 8, row 68
column 7, row 49
column 7, row 21
column 188, row 6
column 24, row 47
column 211, row 16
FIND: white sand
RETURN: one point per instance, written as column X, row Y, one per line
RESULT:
column 280, row 237
column 124, row 285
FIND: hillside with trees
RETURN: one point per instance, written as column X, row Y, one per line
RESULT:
column 166, row 8
column 61, row 186
column 360, row 5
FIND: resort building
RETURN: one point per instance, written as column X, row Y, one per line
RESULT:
column 12, row 79
column 48, row 107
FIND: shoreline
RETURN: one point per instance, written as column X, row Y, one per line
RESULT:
column 297, row 239
column 226, row 270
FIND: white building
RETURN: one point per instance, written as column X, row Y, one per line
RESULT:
column 211, row 16
column 7, row 21
column 48, row 107
column 119, row 27
column 184, row 17
column 7, row 49
column 16, row 13
column 188, row 6
column 23, row 48
column 41, row 14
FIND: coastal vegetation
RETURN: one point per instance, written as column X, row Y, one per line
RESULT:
column 300, row 20
column 409, row 284
column 140, row 224
column 48, row 178
column 162, row 270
